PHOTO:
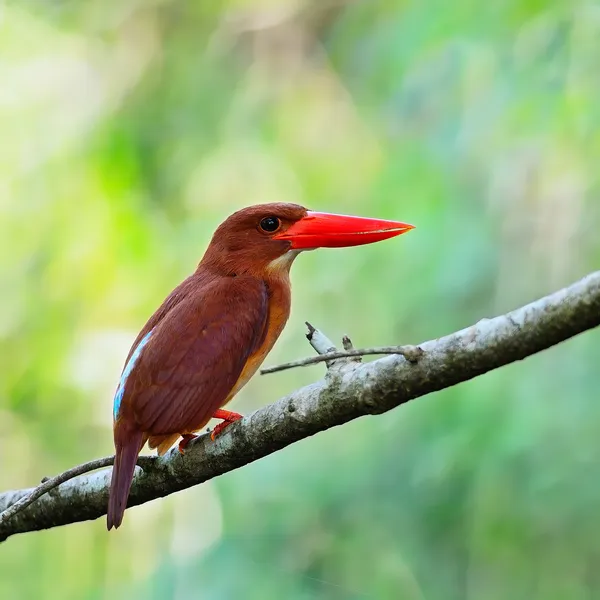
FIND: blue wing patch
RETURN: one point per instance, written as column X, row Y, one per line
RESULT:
column 127, row 371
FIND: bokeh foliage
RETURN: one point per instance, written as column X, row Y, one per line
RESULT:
column 130, row 128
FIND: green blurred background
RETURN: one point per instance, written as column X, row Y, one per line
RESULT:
column 130, row 128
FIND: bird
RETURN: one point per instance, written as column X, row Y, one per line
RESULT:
column 213, row 331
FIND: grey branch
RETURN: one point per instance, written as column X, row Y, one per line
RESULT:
column 348, row 391
column 411, row 353
column 48, row 484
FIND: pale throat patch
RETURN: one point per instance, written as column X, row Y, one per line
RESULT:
column 283, row 262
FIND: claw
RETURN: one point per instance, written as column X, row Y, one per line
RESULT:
column 185, row 440
column 228, row 418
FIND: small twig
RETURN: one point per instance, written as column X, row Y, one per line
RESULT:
column 411, row 353
column 347, row 343
column 319, row 341
column 349, row 347
column 49, row 483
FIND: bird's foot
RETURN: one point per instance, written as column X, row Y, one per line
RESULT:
column 228, row 418
column 186, row 438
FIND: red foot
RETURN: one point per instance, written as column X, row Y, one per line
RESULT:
column 228, row 418
column 186, row 438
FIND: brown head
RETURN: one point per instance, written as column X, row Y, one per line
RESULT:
column 267, row 237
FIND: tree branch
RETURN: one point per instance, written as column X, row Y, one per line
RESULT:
column 350, row 390
column 410, row 353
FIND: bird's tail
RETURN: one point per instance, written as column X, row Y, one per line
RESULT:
column 126, row 454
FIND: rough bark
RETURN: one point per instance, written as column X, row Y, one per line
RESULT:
column 349, row 390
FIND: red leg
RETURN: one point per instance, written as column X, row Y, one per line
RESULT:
column 227, row 415
column 186, row 438
column 228, row 418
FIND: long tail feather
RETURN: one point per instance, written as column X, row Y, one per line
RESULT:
column 122, row 476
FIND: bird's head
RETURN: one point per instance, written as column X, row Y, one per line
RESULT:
column 267, row 237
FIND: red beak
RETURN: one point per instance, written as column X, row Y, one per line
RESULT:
column 325, row 230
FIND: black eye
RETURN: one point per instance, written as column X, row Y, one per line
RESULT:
column 270, row 224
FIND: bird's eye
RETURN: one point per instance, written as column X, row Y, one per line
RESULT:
column 270, row 224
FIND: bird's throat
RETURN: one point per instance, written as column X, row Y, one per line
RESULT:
column 281, row 265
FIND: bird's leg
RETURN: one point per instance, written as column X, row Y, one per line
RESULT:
column 228, row 418
column 186, row 438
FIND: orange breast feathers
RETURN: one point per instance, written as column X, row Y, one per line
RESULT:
column 278, row 313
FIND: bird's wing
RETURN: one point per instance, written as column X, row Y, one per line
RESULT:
column 180, row 293
column 193, row 358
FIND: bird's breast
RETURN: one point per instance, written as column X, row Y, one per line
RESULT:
column 279, row 311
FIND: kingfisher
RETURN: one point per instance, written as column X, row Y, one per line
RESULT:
column 214, row 330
